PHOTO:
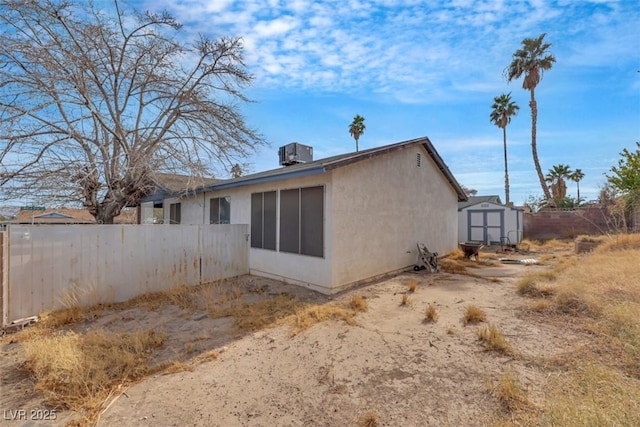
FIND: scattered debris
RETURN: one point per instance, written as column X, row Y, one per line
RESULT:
column 19, row 324
column 518, row 261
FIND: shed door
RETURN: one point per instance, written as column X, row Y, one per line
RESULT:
column 486, row 225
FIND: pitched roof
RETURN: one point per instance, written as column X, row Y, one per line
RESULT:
column 67, row 216
column 474, row 200
column 53, row 216
column 329, row 163
column 171, row 183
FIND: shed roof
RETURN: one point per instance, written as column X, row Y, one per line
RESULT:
column 329, row 163
column 474, row 200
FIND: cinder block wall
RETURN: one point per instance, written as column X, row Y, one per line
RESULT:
column 566, row 224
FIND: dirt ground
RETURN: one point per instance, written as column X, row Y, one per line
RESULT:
column 391, row 365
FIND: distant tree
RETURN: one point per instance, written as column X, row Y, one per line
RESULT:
column 95, row 100
column 502, row 110
column 626, row 176
column 576, row 177
column 531, row 61
column 556, row 178
column 236, row 171
column 469, row 191
column 356, row 128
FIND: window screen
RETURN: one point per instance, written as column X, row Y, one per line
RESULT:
column 174, row 213
column 312, row 221
column 219, row 211
column 263, row 220
column 290, row 221
column 302, row 221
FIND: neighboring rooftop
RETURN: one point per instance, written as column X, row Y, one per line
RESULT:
column 67, row 216
column 171, row 183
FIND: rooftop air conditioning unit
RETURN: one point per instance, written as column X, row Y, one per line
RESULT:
column 295, row 153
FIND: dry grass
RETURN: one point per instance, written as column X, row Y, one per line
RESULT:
column 592, row 395
column 455, row 263
column 249, row 317
column 620, row 242
column 308, row 316
column 492, row 339
column 405, row 300
column 540, row 305
column 510, row 392
column 549, row 245
column 369, row 419
column 453, row 266
column 431, row 314
column 80, row 372
column 473, row 314
column 537, row 285
column 412, row 285
column 358, row 303
column 178, row 366
column 597, row 383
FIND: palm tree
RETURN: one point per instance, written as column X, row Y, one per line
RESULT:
column 502, row 110
column 356, row 128
column 556, row 178
column 531, row 61
column 577, row 176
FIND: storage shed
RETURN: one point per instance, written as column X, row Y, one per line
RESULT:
column 486, row 219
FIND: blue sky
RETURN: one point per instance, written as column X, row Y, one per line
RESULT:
column 431, row 68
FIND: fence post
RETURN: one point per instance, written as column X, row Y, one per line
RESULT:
column 4, row 283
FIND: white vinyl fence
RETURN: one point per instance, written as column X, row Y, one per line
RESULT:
column 43, row 267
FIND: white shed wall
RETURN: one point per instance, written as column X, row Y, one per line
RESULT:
column 383, row 207
column 512, row 221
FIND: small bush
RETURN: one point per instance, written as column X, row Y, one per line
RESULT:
column 405, row 300
column 510, row 393
column 369, row 419
column 473, row 314
column 540, row 305
column 492, row 339
column 358, row 303
column 430, row 314
column 413, row 285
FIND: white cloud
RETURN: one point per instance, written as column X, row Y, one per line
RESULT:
column 408, row 49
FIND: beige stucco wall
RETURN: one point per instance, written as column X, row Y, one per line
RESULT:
column 308, row 271
column 384, row 206
column 376, row 210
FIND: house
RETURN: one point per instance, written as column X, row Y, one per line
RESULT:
column 336, row 222
column 42, row 216
column 167, row 184
column 486, row 219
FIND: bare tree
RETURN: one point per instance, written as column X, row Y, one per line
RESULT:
column 93, row 103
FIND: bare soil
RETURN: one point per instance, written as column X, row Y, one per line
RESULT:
column 392, row 365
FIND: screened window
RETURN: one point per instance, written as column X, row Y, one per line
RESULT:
column 219, row 211
column 302, row 221
column 263, row 220
column 175, row 213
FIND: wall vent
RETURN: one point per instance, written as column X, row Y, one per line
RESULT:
column 418, row 160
